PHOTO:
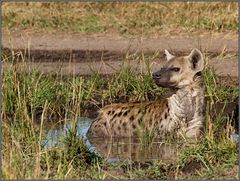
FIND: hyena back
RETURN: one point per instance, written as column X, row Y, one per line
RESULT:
column 181, row 114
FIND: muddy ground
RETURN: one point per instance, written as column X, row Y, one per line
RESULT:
column 78, row 55
column 60, row 41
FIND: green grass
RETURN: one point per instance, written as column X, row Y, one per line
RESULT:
column 217, row 91
column 62, row 98
column 210, row 156
column 124, row 19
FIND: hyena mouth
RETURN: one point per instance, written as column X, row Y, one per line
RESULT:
column 164, row 84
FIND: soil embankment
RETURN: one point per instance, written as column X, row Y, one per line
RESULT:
column 74, row 54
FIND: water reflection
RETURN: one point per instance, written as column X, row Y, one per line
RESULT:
column 124, row 149
column 114, row 149
column 55, row 135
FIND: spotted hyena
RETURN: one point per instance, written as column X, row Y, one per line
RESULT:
column 181, row 114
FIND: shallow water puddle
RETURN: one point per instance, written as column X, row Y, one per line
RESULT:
column 114, row 149
column 56, row 134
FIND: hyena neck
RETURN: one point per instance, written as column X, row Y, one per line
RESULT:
column 188, row 102
column 195, row 89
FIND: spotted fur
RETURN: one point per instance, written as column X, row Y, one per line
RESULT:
column 180, row 114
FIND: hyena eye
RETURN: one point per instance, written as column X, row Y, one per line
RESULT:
column 175, row 69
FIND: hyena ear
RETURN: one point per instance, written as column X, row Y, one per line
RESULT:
column 169, row 56
column 196, row 60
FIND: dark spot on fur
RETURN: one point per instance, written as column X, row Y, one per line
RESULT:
column 139, row 111
column 126, row 112
column 133, row 126
column 105, row 123
column 131, row 118
column 125, row 125
column 165, row 116
column 109, row 112
column 114, row 116
column 161, row 126
column 167, row 107
column 139, row 121
column 119, row 127
column 119, row 114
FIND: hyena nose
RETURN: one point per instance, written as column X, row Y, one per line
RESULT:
column 156, row 75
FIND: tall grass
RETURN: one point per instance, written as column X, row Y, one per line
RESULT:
column 32, row 100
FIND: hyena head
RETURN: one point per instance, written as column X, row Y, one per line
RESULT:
column 179, row 72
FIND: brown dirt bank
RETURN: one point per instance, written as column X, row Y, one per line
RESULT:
column 78, row 55
column 222, row 68
column 208, row 43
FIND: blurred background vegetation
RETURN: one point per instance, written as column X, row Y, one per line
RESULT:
column 124, row 19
